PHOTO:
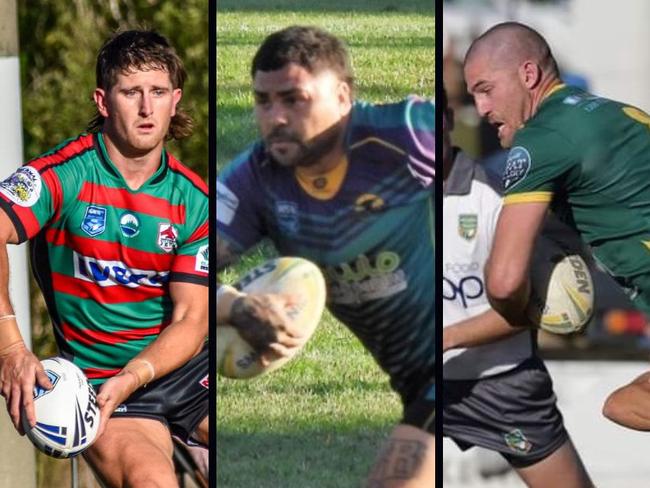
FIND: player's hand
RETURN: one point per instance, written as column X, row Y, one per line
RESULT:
column 20, row 370
column 264, row 322
column 113, row 393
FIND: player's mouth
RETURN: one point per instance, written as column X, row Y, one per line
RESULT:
column 146, row 127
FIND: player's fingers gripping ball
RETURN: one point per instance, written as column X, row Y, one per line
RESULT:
column 67, row 416
column 562, row 295
column 297, row 277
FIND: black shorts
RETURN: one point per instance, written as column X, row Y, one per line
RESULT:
column 513, row 413
column 421, row 412
column 179, row 400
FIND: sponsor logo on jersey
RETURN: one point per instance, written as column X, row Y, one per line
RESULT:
column 129, row 224
column 368, row 203
column 205, row 382
column 467, row 225
column 366, row 279
column 202, row 261
column 469, row 287
column 167, row 235
column 286, row 214
column 39, row 391
column 23, row 187
column 112, row 273
column 94, row 221
column 517, row 166
column 227, row 203
column 517, row 441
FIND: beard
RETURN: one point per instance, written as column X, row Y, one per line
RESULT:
column 306, row 153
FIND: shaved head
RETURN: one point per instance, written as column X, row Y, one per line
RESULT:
column 510, row 44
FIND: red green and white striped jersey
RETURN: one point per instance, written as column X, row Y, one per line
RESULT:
column 104, row 254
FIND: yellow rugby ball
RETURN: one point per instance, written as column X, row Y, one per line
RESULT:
column 562, row 295
column 297, row 276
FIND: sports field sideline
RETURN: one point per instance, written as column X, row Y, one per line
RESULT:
column 319, row 421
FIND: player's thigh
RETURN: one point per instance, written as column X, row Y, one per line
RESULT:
column 561, row 468
column 407, row 460
column 134, row 452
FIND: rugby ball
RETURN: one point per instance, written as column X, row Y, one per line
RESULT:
column 562, row 295
column 297, row 276
column 67, row 416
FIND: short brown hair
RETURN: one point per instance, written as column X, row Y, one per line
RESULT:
column 141, row 50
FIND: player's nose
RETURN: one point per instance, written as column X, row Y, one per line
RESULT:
column 146, row 105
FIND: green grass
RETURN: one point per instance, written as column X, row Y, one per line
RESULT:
column 319, row 421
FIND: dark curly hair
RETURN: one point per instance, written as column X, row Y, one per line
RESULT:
column 141, row 50
column 310, row 47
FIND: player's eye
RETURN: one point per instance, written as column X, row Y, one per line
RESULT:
column 158, row 92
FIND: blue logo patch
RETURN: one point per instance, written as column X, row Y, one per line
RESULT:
column 94, row 222
column 39, row 391
column 517, row 167
column 287, row 215
column 129, row 224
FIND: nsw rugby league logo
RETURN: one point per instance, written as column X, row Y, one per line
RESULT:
column 167, row 235
column 94, row 221
column 467, row 225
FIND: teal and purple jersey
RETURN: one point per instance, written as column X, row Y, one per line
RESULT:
column 371, row 233
column 104, row 254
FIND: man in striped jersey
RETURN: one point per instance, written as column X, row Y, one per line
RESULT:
column 348, row 185
column 118, row 230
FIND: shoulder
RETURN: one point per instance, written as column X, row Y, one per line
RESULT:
column 186, row 177
column 69, row 152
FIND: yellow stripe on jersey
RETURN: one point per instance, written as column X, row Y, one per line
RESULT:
column 381, row 142
column 529, row 197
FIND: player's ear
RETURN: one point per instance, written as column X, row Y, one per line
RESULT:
column 344, row 94
column 99, row 95
column 530, row 74
column 177, row 94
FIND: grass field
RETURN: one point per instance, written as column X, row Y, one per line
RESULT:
column 318, row 422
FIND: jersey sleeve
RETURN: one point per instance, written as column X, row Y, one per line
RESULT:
column 536, row 164
column 34, row 194
column 191, row 263
column 239, row 206
column 420, row 140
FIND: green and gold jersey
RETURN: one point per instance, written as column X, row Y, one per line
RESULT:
column 590, row 158
column 104, row 254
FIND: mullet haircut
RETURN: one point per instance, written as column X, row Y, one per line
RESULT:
column 141, row 50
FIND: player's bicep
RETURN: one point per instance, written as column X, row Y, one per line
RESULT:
column 516, row 231
column 8, row 232
column 190, row 302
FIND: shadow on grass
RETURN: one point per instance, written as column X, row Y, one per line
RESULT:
column 310, row 458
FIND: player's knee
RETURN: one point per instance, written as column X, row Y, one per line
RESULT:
column 146, row 476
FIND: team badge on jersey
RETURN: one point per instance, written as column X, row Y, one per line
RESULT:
column 167, row 235
column 202, row 262
column 287, row 215
column 517, row 441
column 467, row 224
column 94, row 222
column 23, row 187
column 517, row 166
column 129, row 225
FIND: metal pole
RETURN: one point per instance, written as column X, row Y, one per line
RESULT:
column 17, row 459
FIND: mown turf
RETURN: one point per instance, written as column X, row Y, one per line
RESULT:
column 318, row 422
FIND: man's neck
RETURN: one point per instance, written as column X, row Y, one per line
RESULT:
column 136, row 168
column 543, row 90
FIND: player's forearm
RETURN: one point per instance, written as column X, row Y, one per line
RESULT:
column 630, row 405
column 226, row 296
column 511, row 306
column 484, row 328
column 10, row 336
column 181, row 340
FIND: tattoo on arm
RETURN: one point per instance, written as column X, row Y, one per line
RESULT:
column 399, row 460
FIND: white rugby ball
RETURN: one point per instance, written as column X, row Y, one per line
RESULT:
column 297, row 276
column 562, row 295
column 67, row 416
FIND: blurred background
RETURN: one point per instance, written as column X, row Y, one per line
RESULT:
column 600, row 46
column 54, row 51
